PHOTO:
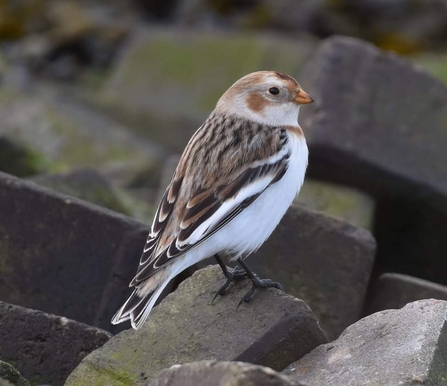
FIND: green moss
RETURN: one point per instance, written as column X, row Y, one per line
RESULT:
column 166, row 61
column 86, row 185
column 434, row 63
column 9, row 375
column 97, row 376
column 20, row 160
column 338, row 201
column 168, row 83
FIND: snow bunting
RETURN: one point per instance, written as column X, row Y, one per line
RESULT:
column 234, row 182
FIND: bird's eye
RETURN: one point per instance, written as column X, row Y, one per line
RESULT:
column 274, row 91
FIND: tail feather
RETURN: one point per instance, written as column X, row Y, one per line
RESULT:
column 133, row 302
column 138, row 306
column 139, row 315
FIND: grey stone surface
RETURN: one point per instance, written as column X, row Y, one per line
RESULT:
column 68, row 135
column 212, row 373
column 322, row 260
column 62, row 255
column 9, row 376
column 393, row 347
column 379, row 124
column 365, row 118
column 86, row 184
column 271, row 330
column 342, row 202
column 189, row 70
column 45, row 348
column 393, row 290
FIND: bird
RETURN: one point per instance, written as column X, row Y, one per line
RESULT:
column 235, row 180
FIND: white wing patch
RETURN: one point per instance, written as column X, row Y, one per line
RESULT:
column 250, row 190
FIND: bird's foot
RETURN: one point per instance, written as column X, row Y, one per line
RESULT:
column 234, row 274
column 259, row 283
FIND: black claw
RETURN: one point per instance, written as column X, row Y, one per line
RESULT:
column 231, row 275
column 247, row 297
column 259, row 283
column 239, row 274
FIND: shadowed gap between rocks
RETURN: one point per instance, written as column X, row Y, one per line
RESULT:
column 410, row 219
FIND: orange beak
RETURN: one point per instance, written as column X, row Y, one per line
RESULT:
column 302, row 97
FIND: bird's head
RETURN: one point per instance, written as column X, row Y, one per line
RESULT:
column 267, row 97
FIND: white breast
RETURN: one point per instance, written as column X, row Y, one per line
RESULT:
column 266, row 212
column 248, row 231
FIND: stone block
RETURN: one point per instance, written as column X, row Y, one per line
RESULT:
column 212, row 373
column 393, row 290
column 64, row 135
column 322, row 260
column 64, row 256
column 86, row 184
column 167, row 82
column 392, row 347
column 379, row 124
column 342, row 202
column 45, row 348
column 9, row 376
column 271, row 330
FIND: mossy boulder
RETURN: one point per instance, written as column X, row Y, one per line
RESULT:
column 68, row 136
column 186, row 327
column 345, row 203
column 322, row 260
column 9, row 376
column 168, row 81
column 434, row 63
column 380, row 125
column 86, row 184
column 20, row 160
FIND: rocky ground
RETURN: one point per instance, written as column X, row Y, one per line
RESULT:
column 97, row 100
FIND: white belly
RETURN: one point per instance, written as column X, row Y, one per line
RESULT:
column 255, row 224
column 248, row 231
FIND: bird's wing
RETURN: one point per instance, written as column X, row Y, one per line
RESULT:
column 189, row 214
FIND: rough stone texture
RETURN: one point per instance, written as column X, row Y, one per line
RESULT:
column 392, row 290
column 322, row 260
column 338, row 201
column 68, row 135
column 393, row 347
column 9, row 376
column 212, row 373
column 62, row 255
column 189, row 71
column 271, row 330
column 379, row 123
column 86, row 184
column 45, row 348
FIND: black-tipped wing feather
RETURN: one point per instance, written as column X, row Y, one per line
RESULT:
column 200, row 210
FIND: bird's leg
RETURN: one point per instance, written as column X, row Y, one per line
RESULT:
column 230, row 274
column 257, row 283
